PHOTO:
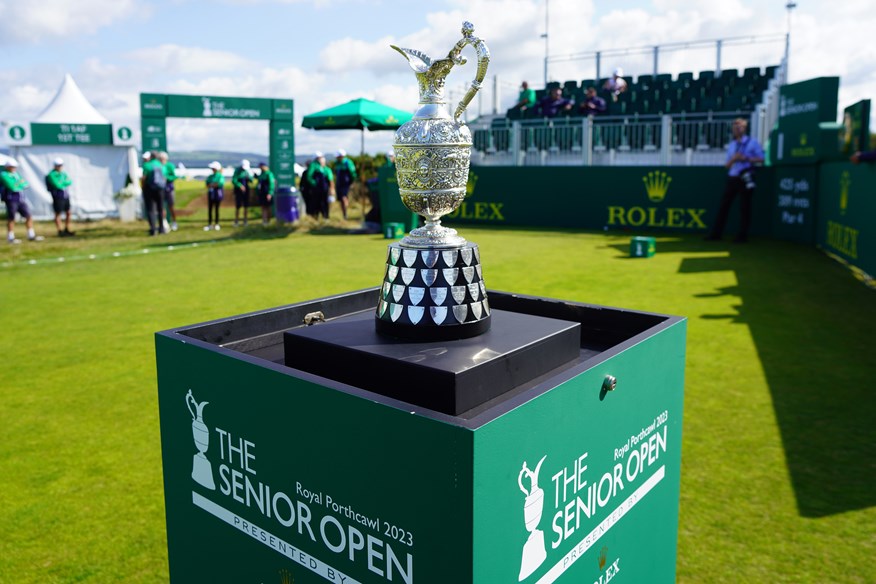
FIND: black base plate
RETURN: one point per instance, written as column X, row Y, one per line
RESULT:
column 449, row 376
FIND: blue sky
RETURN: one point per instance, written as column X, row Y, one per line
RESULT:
column 325, row 52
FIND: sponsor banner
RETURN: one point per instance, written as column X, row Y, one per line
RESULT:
column 846, row 215
column 232, row 108
column 153, row 105
column 802, row 107
column 636, row 199
column 154, row 134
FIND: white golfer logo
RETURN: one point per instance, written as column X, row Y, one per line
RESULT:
column 208, row 107
column 202, row 470
column 533, row 550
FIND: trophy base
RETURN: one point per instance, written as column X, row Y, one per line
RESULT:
column 202, row 471
column 534, row 554
column 433, row 294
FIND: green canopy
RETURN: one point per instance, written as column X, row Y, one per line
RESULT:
column 357, row 114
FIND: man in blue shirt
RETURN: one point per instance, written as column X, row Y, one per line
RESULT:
column 743, row 153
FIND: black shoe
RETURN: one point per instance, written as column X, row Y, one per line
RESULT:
column 68, row 233
column 711, row 238
column 61, row 233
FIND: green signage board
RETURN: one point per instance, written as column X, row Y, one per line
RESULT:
column 153, row 105
column 846, row 218
column 231, row 108
column 282, row 159
column 276, row 475
column 802, row 106
column 80, row 134
column 796, row 196
column 631, row 199
column 154, row 133
column 392, row 210
column 283, row 110
column 855, row 136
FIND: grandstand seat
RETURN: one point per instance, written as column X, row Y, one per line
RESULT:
column 552, row 84
column 645, row 80
column 585, row 83
column 751, row 73
column 771, row 71
column 570, row 88
column 686, row 76
column 706, row 75
column 664, row 77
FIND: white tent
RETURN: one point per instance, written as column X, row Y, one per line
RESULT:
column 97, row 171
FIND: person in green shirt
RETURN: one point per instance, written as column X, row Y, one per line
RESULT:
column 241, row 180
column 57, row 181
column 321, row 181
column 153, row 182
column 526, row 98
column 215, row 193
column 169, row 190
column 267, row 184
column 12, row 187
column 345, row 175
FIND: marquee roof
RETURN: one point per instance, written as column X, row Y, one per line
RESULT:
column 70, row 106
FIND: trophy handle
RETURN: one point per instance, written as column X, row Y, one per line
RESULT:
column 190, row 399
column 523, row 471
column 483, row 54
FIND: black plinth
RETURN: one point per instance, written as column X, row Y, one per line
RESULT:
column 450, row 377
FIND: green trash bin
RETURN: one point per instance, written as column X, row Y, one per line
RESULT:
column 393, row 230
column 642, row 247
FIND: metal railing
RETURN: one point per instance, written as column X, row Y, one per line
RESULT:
column 688, row 139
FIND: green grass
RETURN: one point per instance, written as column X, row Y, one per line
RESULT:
column 778, row 475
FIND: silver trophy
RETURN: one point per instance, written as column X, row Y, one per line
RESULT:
column 433, row 286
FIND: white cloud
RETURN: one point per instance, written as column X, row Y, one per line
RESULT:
column 171, row 59
column 48, row 20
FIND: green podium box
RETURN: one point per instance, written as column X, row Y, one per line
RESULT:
column 279, row 475
column 643, row 247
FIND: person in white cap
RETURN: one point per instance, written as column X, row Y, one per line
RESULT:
column 12, row 192
column 241, row 180
column 57, row 182
column 345, row 176
column 616, row 84
column 215, row 193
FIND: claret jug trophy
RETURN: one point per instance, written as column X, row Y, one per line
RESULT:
column 433, row 286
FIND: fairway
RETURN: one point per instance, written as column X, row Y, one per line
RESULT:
column 777, row 472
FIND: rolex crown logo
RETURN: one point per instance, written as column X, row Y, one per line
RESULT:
column 470, row 185
column 845, row 183
column 602, row 555
column 656, row 185
column 803, row 139
column 286, row 577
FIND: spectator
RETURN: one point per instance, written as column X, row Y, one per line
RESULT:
column 154, row 182
column 554, row 103
column 345, row 176
column 321, row 182
column 241, row 180
column 743, row 153
column 215, row 193
column 58, row 182
column 867, row 156
column 170, row 175
column 11, row 191
column 525, row 100
column 267, row 186
column 593, row 105
column 616, row 84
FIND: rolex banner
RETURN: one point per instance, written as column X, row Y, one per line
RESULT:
column 639, row 198
column 846, row 219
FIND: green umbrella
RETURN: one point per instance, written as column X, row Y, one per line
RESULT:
column 358, row 114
